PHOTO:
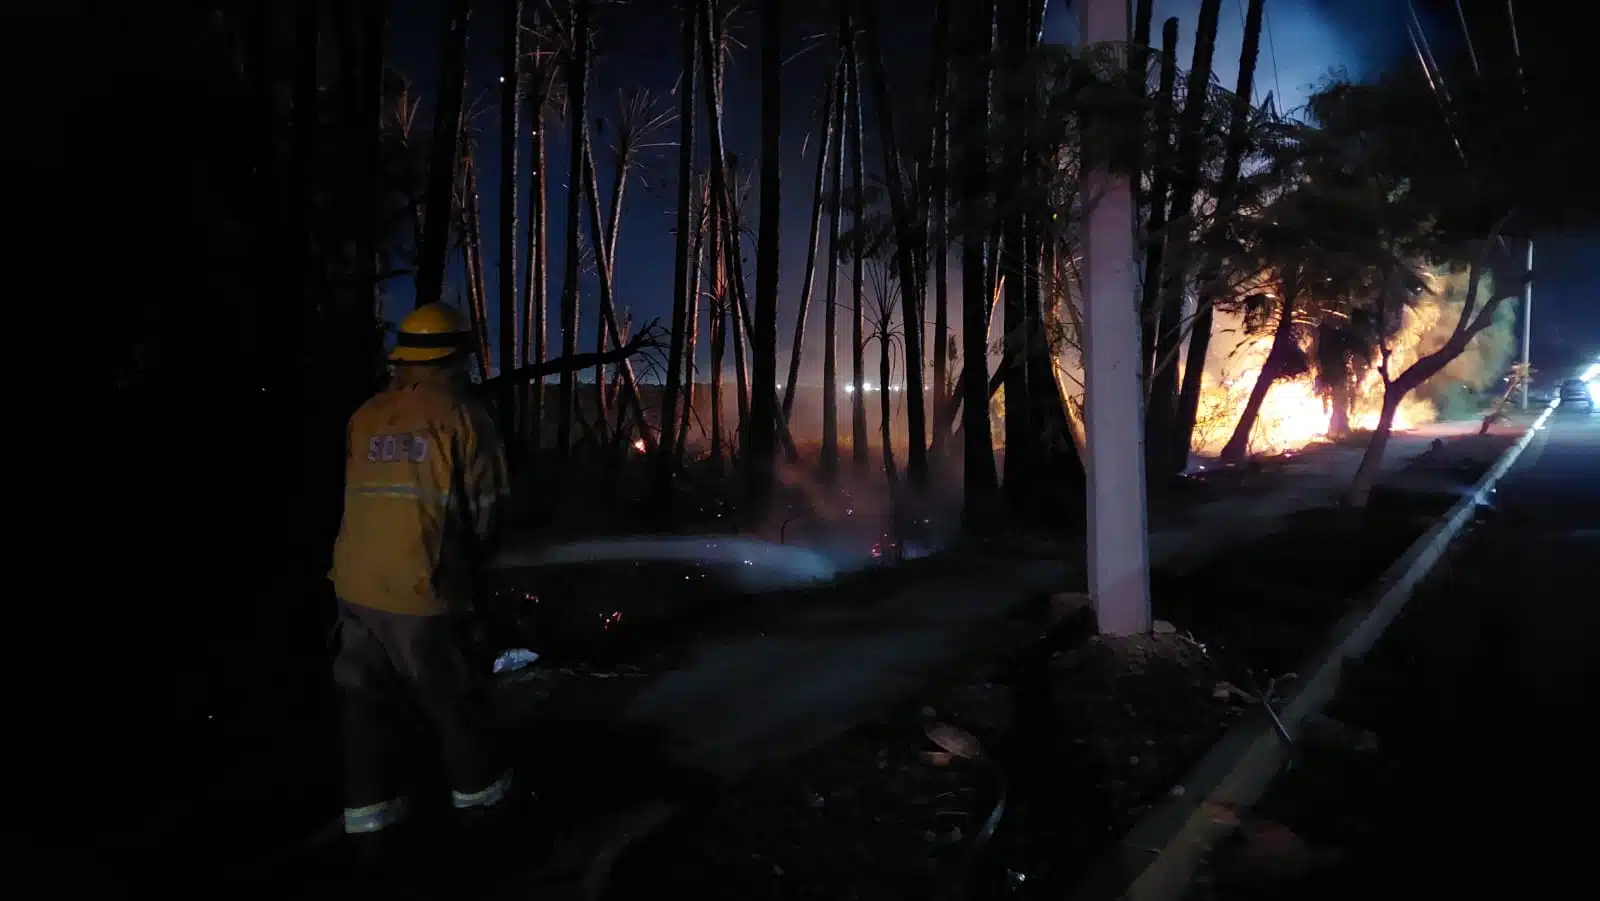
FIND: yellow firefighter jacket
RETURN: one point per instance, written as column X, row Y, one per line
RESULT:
column 425, row 482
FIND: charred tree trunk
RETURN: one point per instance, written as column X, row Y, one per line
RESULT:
column 762, row 456
column 1162, row 410
column 858, row 215
column 718, row 324
column 578, row 115
column 979, row 466
column 474, row 252
column 885, row 417
column 907, row 242
column 939, row 209
column 608, row 313
column 711, row 63
column 1282, row 341
column 510, row 137
column 818, row 195
column 1156, row 202
column 830, row 313
column 1139, row 82
column 1339, row 407
column 682, row 259
column 737, row 322
column 691, row 318
column 1227, row 190
column 442, row 165
column 1017, row 481
column 536, row 293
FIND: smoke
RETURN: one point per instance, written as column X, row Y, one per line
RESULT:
column 1457, row 389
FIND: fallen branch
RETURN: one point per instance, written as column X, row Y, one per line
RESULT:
column 646, row 339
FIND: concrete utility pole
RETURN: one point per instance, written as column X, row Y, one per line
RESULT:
column 1527, row 326
column 1119, row 567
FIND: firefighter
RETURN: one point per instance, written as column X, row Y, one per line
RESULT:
column 425, row 486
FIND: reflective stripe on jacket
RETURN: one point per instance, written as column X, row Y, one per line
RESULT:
column 425, row 478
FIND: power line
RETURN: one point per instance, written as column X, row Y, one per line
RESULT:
column 1467, row 33
column 1273, row 47
column 1255, row 89
column 1516, row 50
column 1430, row 71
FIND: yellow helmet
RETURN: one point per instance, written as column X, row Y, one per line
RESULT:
column 429, row 334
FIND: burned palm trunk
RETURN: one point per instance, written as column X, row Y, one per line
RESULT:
column 1053, row 443
column 692, row 324
column 442, row 166
column 1227, row 201
column 577, row 99
column 907, row 241
column 858, row 399
column 1161, row 412
column 474, row 252
column 830, row 314
column 1139, row 82
column 979, row 466
column 939, row 216
column 1278, row 357
column 1156, row 202
column 760, row 470
column 693, row 12
column 608, row 315
column 718, row 336
column 818, row 193
column 510, row 135
column 536, row 293
column 1017, row 482
column 711, row 63
column 737, row 319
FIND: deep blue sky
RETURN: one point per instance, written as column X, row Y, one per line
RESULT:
column 1305, row 41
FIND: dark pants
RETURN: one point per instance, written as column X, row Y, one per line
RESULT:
column 402, row 678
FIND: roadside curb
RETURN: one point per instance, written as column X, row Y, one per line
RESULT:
column 1158, row 857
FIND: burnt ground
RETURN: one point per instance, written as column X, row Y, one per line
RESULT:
column 1088, row 741
column 588, row 769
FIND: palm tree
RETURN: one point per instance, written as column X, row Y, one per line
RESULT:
column 442, row 167
column 1227, row 204
column 762, row 431
column 908, row 241
column 510, row 137
column 578, row 115
column 858, row 215
column 814, row 240
column 979, row 481
column 939, row 217
column 548, row 41
column 1161, row 411
column 693, row 14
column 830, row 313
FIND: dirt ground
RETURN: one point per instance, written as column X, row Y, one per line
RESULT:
column 1082, row 742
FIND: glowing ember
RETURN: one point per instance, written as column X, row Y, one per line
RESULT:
column 638, row 445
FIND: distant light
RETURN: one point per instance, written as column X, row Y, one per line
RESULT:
column 502, row 79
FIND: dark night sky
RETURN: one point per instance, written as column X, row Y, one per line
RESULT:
column 1306, row 40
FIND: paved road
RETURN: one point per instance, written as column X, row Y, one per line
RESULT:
column 1484, row 700
column 1516, row 679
